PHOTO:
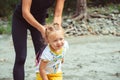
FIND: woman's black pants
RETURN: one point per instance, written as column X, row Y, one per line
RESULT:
column 19, row 35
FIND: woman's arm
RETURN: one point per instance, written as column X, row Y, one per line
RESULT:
column 26, row 5
column 58, row 11
column 42, row 70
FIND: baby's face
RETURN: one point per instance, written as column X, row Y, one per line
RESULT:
column 56, row 40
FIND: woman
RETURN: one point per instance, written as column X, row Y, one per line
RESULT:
column 31, row 14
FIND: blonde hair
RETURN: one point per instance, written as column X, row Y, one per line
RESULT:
column 53, row 28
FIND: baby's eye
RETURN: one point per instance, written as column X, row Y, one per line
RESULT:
column 55, row 40
column 61, row 38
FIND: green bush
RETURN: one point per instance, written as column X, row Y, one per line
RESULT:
column 119, row 7
column 6, row 7
column 2, row 30
column 5, row 30
column 5, row 25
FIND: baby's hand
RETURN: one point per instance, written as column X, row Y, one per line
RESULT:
column 62, row 60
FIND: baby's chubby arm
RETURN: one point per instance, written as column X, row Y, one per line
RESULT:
column 42, row 69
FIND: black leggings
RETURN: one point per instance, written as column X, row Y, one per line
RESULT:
column 19, row 35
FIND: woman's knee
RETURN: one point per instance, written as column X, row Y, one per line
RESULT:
column 20, row 60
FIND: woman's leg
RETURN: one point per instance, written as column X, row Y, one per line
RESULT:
column 19, row 35
column 37, row 39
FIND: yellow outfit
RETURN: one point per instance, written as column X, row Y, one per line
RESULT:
column 57, row 76
column 54, row 71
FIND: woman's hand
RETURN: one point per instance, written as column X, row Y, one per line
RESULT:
column 43, row 34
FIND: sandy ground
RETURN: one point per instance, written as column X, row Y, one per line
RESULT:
column 89, row 58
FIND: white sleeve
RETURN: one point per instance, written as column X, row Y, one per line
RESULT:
column 46, row 55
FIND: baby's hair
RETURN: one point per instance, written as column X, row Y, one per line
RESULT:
column 52, row 28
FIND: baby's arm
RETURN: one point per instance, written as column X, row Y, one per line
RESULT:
column 42, row 69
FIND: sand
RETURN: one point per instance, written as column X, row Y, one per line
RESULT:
column 88, row 58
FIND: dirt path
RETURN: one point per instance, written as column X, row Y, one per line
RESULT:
column 89, row 58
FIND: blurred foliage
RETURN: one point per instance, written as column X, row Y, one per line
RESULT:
column 102, row 3
column 7, row 7
column 70, row 5
column 5, row 30
column 5, row 25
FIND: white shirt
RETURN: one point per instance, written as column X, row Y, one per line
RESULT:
column 54, row 64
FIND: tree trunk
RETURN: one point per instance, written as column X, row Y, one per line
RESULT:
column 81, row 10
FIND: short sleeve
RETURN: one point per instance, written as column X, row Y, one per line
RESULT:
column 46, row 55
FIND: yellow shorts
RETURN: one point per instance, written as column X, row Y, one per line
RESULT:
column 57, row 76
